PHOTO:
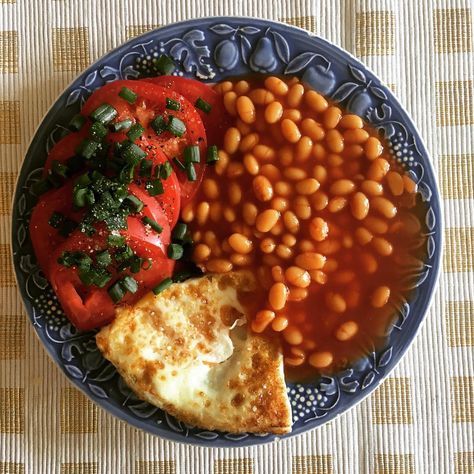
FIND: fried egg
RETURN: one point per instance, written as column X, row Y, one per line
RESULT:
column 190, row 351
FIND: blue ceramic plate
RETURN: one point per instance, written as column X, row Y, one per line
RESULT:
column 212, row 49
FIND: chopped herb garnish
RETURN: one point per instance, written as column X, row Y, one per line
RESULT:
column 134, row 203
column 172, row 104
column 135, row 132
column 120, row 126
column 56, row 220
column 154, row 187
column 158, row 124
column 125, row 253
column 162, row 286
column 128, row 95
column 126, row 174
column 116, row 292
column 77, row 122
column 115, row 240
column 88, row 148
column 191, row 172
column 191, row 154
column 179, row 164
column 212, row 154
column 129, row 284
column 165, row 65
column 179, row 231
column 97, row 131
column 203, row 105
column 59, row 169
column 104, row 114
column 166, row 170
column 176, row 126
column 83, row 197
column 103, row 259
column 75, row 259
column 132, row 153
column 175, row 251
column 145, row 168
column 153, row 224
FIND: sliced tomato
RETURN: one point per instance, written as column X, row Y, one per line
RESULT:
column 89, row 307
column 64, row 148
column 151, row 102
column 44, row 237
column 217, row 120
column 170, row 200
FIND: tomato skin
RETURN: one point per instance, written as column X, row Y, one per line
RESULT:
column 44, row 237
column 91, row 307
column 151, row 102
column 216, row 121
column 65, row 148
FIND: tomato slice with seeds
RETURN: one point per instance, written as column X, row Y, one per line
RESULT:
column 216, row 121
column 150, row 103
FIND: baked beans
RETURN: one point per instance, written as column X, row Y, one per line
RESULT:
column 307, row 197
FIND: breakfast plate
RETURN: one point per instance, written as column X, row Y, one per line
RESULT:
column 213, row 50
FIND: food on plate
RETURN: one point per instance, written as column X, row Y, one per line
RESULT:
column 190, row 351
column 305, row 226
column 308, row 197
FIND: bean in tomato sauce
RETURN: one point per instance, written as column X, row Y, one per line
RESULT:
column 308, row 197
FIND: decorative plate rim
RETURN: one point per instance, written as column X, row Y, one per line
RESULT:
column 332, row 50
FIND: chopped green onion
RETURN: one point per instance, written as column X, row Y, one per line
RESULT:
column 166, row 170
column 56, row 220
column 103, row 259
column 135, row 132
column 115, row 240
column 77, row 122
column 125, row 254
column 75, row 164
column 179, row 232
column 129, row 284
column 119, row 126
column 179, row 164
column 87, row 148
column 59, row 169
column 165, row 65
column 191, row 154
column 191, row 172
column 153, row 224
column 97, row 131
column 145, row 168
column 154, row 187
column 83, row 180
column 172, row 104
column 157, row 171
column 162, row 286
column 203, row 105
column 83, row 197
column 134, row 203
column 40, row 187
column 158, row 124
column 175, row 251
column 116, row 292
column 176, row 126
column 132, row 153
column 212, row 154
column 136, row 264
column 75, row 259
column 126, row 174
column 102, row 278
column 104, row 114
column 128, row 95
